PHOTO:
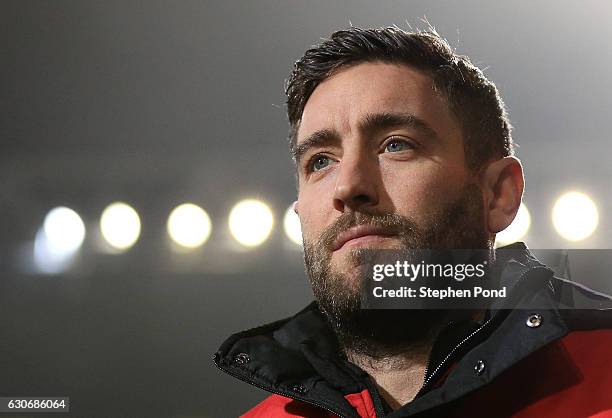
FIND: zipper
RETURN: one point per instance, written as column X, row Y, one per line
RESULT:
column 449, row 356
column 277, row 392
column 425, row 381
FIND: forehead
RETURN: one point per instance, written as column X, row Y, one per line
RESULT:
column 340, row 101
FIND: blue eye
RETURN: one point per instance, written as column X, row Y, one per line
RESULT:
column 319, row 162
column 396, row 145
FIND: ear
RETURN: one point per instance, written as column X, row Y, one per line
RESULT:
column 503, row 186
column 295, row 207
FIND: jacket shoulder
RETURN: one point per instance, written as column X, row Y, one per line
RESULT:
column 277, row 406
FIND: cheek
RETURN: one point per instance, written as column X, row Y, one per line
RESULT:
column 416, row 191
column 313, row 213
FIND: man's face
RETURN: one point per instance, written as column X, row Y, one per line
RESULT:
column 380, row 165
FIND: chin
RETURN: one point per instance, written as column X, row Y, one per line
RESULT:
column 350, row 264
column 347, row 268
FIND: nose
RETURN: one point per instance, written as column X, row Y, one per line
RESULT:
column 357, row 184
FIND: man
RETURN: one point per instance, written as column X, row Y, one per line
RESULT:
column 399, row 144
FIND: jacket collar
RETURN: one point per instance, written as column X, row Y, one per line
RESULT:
column 297, row 356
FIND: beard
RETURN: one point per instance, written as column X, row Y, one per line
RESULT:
column 386, row 332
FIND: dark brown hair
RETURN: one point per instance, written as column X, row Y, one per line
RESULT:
column 471, row 97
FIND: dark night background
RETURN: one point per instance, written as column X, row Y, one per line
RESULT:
column 156, row 103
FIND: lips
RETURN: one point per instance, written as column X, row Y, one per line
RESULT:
column 358, row 232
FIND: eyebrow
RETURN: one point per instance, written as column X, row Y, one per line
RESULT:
column 386, row 120
column 317, row 139
column 371, row 122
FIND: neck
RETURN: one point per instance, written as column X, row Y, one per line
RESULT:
column 398, row 377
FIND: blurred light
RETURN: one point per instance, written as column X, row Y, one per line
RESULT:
column 189, row 225
column 64, row 230
column 517, row 229
column 120, row 226
column 292, row 226
column 46, row 258
column 250, row 222
column 59, row 239
column 575, row 216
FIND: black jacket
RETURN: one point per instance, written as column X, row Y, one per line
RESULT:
column 515, row 363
